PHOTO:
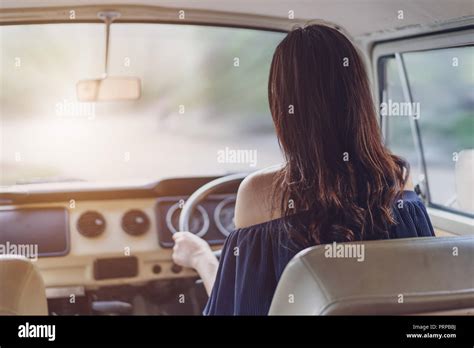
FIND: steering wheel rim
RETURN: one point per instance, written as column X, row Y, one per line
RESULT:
column 200, row 194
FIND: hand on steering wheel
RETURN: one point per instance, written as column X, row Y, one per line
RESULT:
column 193, row 251
column 200, row 194
column 189, row 249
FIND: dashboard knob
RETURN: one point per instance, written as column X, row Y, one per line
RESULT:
column 176, row 268
column 91, row 224
column 135, row 222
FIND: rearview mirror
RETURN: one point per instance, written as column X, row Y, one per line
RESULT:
column 109, row 89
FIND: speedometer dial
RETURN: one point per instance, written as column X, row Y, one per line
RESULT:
column 224, row 216
column 199, row 224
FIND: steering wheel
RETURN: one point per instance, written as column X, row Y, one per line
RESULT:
column 200, row 194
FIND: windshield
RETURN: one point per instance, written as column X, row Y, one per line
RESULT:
column 203, row 109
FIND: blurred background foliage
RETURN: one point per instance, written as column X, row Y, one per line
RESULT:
column 218, row 76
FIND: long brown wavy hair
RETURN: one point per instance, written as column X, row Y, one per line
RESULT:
column 336, row 166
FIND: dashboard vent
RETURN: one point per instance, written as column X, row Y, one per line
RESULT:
column 135, row 222
column 91, row 224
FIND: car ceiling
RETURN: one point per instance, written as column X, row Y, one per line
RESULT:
column 358, row 17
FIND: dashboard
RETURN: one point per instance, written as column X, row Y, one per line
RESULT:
column 212, row 220
column 92, row 236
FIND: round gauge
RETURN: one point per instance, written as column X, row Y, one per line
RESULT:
column 91, row 224
column 224, row 216
column 199, row 224
column 135, row 222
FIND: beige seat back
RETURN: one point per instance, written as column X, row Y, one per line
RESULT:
column 399, row 276
column 22, row 289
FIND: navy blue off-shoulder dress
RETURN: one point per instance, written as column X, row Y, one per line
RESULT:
column 253, row 259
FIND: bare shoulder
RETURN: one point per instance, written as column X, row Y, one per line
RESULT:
column 254, row 198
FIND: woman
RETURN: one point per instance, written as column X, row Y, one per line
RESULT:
column 338, row 183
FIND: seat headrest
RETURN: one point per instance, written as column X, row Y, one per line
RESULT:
column 399, row 276
column 22, row 289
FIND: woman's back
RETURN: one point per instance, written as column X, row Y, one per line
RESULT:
column 254, row 257
column 258, row 200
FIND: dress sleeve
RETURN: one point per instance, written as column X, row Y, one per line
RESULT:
column 412, row 218
column 245, row 280
column 221, row 300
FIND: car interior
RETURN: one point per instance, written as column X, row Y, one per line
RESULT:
column 124, row 122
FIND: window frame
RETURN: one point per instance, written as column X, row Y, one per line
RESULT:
column 391, row 49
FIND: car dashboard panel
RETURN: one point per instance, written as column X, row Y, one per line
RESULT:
column 95, row 237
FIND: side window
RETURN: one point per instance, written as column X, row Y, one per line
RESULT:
column 441, row 83
column 398, row 135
